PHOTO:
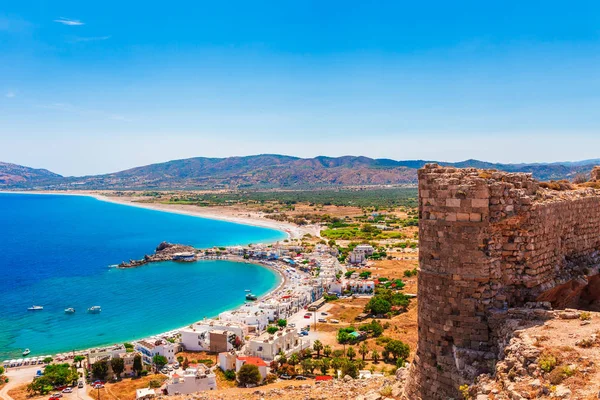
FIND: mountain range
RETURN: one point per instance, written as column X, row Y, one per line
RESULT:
column 266, row 171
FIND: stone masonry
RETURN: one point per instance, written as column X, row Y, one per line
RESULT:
column 491, row 241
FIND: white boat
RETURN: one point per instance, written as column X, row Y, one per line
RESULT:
column 69, row 310
column 94, row 309
column 35, row 308
column 26, row 352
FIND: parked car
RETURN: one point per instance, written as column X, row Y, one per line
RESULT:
column 322, row 320
column 300, row 378
column 99, row 386
column 324, row 313
column 98, row 382
column 285, row 377
column 68, row 390
column 175, row 365
column 307, row 315
column 56, row 396
column 80, row 385
column 303, row 333
column 292, row 325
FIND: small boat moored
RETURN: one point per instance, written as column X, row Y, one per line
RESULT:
column 26, row 352
column 69, row 310
column 251, row 297
column 35, row 308
column 94, row 310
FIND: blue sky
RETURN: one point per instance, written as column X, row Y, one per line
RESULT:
column 93, row 87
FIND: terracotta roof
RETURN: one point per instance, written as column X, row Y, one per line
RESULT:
column 323, row 378
column 259, row 362
column 175, row 376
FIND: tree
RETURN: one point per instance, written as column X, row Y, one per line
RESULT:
column 351, row 353
column 294, row 359
column 363, row 350
column 327, row 351
column 282, row 358
column 100, row 369
column 78, row 359
column 375, row 356
column 307, row 353
column 377, row 305
column 40, row 385
column 1, row 370
column 159, row 361
column 386, row 355
column 336, row 364
column 180, row 359
column 282, row 323
column 118, row 366
column 350, row 368
column 307, row 365
column 248, row 375
column 318, row 346
column 325, row 365
column 271, row 330
column 398, row 349
column 48, row 360
column 137, row 364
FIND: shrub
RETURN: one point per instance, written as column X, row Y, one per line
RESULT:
column 585, row 316
column 249, row 375
column 547, row 362
column 272, row 330
column 229, row 374
column 271, row 378
column 464, row 391
column 386, row 391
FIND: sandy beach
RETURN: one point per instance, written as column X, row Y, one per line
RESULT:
column 218, row 213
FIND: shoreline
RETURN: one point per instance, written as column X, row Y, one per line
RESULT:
column 283, row 284
column 291, row 230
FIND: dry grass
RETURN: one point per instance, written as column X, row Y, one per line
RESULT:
column 20, row 393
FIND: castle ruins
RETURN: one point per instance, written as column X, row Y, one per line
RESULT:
column 491, row 241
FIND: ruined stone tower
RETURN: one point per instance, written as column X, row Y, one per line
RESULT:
column 490, row 241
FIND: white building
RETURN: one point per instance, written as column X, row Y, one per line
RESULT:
column 144, row 394
column 193, row 380
column 159, row 347
column 197, row 337
column 267, row 346
column 367, row 248
column 357, row 257
column 250, row 314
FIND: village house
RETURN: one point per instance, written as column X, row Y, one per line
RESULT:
column 128, row 362
column 192, row 380
column 267, row 346
column 198, row 336
column 357, row 257
column 366, row 248
column 249, row 315
column 161, row 347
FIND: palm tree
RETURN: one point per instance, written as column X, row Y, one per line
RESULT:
column 318, row 346
column 327, row 351
column 363, row 350
column 294, row 359
column 351, row 353
column 375, row 356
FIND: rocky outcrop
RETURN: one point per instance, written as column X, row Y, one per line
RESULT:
column 164, row 252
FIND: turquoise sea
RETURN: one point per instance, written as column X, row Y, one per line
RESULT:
column 56, row 251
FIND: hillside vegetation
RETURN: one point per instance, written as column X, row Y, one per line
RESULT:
column 265, row 172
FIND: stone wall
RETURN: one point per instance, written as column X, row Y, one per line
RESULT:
column 490, row 241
